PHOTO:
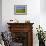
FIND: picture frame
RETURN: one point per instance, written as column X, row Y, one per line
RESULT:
column 20, row 9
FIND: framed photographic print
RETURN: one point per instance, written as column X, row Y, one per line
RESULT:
column 20, row 9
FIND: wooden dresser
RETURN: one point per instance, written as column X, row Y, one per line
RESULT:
column 22, row 33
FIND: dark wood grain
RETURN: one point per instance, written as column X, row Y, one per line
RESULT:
column 23, row 27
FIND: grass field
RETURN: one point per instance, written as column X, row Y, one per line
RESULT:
column 20, row 10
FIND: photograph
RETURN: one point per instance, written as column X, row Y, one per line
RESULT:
column 20, row 9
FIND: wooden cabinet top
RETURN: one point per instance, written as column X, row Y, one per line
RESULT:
column 20, row 23
column 20, row 27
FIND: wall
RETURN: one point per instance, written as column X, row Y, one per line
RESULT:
column 43, row 6
column 34, row 14
column 0, row 14
column 43, row 14
column 33, row 11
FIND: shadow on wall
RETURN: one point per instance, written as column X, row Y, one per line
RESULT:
column 43, row 6
column 0, row 15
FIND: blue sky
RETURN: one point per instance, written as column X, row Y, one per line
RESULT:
column 20, row 7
